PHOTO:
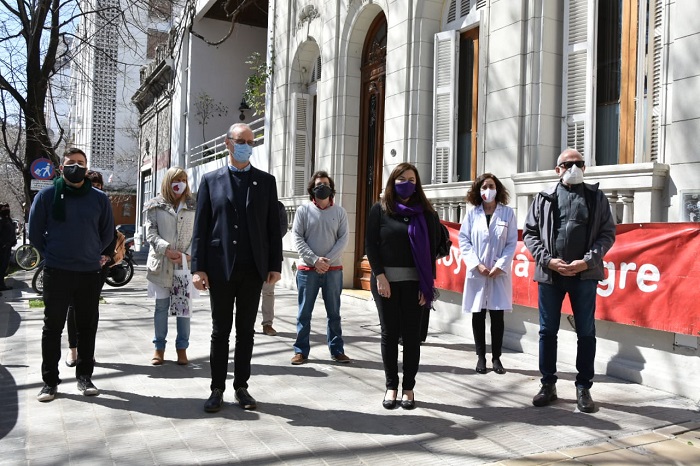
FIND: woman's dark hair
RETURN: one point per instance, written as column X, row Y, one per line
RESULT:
column 94, row 177
column 418, row 197
column 312, row 183
column 474, row 194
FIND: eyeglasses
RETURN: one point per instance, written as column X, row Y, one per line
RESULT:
column 243, row 141
column 569, row 164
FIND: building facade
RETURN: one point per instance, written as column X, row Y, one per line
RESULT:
column 463, row 87
column 192, row 91
column 105, row 74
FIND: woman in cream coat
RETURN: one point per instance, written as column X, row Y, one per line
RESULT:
column 169, row 226
column 487, row 241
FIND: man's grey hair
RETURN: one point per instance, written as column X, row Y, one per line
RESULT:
column 236, row 126
column 568, row 151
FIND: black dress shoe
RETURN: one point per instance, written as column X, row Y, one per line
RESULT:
column 547, row 394
column 244, row 399
column 584, row 401
column 497, row 366
column 215, row 401
column 481, row 365
column 408, row 403
column 388, row 404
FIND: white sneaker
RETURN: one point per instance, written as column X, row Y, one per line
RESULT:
column 86, row 386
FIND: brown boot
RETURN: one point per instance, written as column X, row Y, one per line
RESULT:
column 158, row 358
column 182, row 357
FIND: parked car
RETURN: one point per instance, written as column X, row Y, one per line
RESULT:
column 127, row 230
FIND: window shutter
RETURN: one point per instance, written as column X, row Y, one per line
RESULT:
column 655, row 75
column 445, row 106
column 300, row 143
column 452, row 12
column 580, row 25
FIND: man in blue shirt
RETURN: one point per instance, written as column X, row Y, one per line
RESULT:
column 70, row 223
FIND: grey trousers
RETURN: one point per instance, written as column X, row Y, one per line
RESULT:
column 268, row 304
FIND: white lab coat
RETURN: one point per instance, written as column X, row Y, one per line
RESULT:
column 494, row 246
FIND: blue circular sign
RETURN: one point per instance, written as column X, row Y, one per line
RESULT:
column 42, row 169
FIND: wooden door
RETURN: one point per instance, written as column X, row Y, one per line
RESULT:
column 371, row 156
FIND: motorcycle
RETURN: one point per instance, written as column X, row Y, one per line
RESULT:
column 122, row 273
column 117, row 275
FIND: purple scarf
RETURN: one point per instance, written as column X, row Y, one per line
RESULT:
column 420, row 247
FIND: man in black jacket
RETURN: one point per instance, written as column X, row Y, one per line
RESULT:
column 568, row 230
column 236, row 247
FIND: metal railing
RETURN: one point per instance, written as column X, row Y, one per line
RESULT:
column 216, row 148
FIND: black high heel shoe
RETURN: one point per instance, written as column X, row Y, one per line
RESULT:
column 497, row 366
column 389, row 404
column 481, row 365
column 408, row 403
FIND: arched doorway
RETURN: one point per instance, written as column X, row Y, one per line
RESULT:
column 371, row 149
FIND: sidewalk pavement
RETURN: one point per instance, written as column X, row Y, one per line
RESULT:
column 318, row 413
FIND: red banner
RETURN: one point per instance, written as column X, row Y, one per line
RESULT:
column 652, row 277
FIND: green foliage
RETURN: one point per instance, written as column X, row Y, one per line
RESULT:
column 254, row 93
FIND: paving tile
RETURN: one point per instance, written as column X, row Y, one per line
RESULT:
column 673, row 452
column 539, row 459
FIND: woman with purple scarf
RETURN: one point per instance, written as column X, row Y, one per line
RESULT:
column 401, row 247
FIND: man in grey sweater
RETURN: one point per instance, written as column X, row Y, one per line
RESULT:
column 320, row 234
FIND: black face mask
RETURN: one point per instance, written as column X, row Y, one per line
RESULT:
column 74, row 173
column 322, row 191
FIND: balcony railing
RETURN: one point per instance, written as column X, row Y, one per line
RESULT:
column 635, row 192
column 216, row 148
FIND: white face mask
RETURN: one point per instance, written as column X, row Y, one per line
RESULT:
column 573, row 175
column 488, row 195
column 179, row 187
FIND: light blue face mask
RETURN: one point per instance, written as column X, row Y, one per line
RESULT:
column 242, row 152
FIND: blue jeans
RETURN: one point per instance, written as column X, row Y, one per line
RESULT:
column 582, row 295
column 160, row 323
column 331, row 285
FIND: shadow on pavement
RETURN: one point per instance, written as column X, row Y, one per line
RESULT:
column 9, row 324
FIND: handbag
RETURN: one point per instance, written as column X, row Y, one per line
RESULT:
column 182, row 291
column 444, row 243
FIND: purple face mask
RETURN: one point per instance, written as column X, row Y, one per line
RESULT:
column 405, row 189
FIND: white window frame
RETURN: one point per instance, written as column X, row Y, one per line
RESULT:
column 446, row 75
column 579, row 77
column 300, row 144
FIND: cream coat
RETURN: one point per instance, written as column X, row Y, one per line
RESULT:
column 165, row 227
column 494, row 246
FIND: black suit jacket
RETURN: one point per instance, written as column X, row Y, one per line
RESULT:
column 213, row 250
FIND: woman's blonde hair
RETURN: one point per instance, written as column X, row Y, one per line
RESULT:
column 166, row 189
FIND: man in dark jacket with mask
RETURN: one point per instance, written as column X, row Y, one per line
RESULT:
column 236, row 247
column 568, row 230
column 320, row 234
column 70, row 223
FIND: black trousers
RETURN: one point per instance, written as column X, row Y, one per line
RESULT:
column 71, row 328
column 5, row 253
column 479, row 329
column 400, row 316
column 61, row 288
column 243, row 292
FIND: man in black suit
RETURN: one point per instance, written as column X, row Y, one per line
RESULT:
column 236, row 247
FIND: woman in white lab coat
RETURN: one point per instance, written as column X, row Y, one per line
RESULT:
column 487, row 241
